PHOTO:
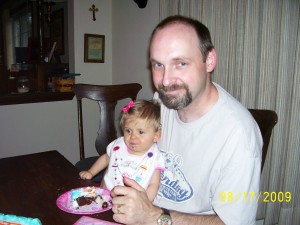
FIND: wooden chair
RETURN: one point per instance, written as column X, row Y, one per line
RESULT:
column 107, row 97
column 266, row 120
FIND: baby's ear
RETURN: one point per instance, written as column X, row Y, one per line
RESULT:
column 157, row 136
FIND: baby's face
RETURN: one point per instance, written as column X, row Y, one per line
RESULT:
column 139, row 135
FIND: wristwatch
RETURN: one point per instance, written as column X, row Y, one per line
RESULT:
column 165, row 218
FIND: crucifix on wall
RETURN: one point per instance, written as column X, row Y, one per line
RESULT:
column 93, row 9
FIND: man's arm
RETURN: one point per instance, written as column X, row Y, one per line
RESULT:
column 182, row 218
column 131, row 206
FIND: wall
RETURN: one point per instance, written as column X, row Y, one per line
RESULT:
column 132, row 28
column 96, row 73
column 30, row 128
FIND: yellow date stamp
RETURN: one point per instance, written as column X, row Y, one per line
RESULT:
column 251, row 196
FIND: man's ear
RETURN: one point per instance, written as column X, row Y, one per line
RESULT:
column 211, row 61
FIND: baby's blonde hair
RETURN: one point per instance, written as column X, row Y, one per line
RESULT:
column 143, row 109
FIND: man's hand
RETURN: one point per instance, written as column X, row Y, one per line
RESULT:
column 132, row 206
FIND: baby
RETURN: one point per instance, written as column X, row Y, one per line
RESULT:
column 135, row 155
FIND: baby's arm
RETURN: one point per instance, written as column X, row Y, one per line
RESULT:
column 101, row 163
column 154, row 185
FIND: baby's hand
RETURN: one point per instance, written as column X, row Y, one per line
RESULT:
column 86, row 175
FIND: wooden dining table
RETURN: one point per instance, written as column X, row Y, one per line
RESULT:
column 30, row 185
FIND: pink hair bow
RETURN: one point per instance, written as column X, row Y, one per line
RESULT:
column 127, row 107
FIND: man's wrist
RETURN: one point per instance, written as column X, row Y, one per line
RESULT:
column 164, row 218
column 153, row 215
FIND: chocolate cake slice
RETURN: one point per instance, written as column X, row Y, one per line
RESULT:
column 82, row 197
column 83, row 200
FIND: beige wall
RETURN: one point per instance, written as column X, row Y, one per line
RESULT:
column 132, row 28
column 29, row 128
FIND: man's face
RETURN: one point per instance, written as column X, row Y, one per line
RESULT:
column 178, row 71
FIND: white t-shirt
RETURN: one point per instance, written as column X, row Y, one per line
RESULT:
column 207, row 159
column 137, row 167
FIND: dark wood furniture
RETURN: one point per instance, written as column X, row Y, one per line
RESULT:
column 39, row 46
column 30, row 185
column 107, row 97
column 266, row 120
column 11, row 99
column 38, row 76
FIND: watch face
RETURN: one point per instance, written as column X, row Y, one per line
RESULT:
column 164, row 220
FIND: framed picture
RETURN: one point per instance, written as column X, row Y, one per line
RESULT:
column 94, row 46
column 57, row 31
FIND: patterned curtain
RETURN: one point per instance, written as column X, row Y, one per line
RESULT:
column 258, row 47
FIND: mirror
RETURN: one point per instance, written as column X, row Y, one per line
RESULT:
column 32, row 32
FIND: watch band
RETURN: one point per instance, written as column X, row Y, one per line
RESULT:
column 165, row 218
column 166, row 211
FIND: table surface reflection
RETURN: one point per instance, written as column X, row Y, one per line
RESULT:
column 30, row 185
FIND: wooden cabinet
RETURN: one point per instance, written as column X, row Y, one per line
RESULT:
column 38, row 76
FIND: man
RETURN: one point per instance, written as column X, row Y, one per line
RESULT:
column 211, row 143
